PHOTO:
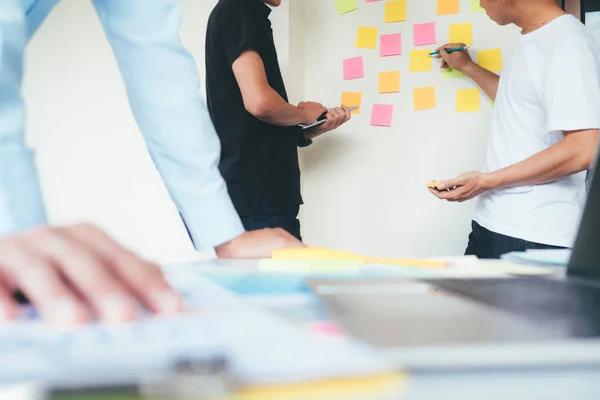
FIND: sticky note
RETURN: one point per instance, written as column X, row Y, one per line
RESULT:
column 450, row 73
column 461, row 33
column 424, row 34
column 389, row 82
column 475, row 7
column 420, row 61
column 344, row 6
column 490, row 59
column 448, row 7
column 353, row 68
column 366, row 38
column 390, row 45
column 424, row 98
column 382, row 115
column 467, row 100
column 352, row 99
column 395, row 11
column 433, row 184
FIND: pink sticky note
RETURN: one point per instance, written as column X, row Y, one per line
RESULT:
column 390, row 45
column 372, row 1
column 326, row 328
column 353, row 68
column 382, row 115
column 424, row 34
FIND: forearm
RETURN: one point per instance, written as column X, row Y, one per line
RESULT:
column 570, row 156
column 21, row 205
column 271, row 108
column 486, row 80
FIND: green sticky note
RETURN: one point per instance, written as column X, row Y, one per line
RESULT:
column 450, row 73
column 475, row 7
column 344, row 6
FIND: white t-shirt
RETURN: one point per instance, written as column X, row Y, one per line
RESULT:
column 551, row 86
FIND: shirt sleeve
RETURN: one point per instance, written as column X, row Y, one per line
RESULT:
column 21, row 205
column 164, row 91
column 238, row 32
column 571, row 92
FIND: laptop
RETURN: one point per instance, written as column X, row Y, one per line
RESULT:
column 450, row 323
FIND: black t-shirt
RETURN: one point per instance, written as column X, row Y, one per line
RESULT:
column 258, row 161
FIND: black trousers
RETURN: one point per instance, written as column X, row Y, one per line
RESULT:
column 484, row 243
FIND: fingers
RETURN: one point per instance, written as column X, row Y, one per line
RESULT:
column 37, row 277
column 450, row 184
column 8, row 307
column 90, row 274
column 288, row 240
column 141, row 277
column 347, row 114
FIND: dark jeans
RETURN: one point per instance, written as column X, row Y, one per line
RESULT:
column 484, row 243
column 285, row 217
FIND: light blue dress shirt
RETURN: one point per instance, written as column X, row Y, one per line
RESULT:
column 163, row 88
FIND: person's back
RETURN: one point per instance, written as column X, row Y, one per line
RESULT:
column 259, row 161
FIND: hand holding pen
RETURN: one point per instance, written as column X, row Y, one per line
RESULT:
column 454, row 55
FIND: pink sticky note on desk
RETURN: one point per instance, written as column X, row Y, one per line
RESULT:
column 424, row 34
column 390, row 45
column 382, row 115
column 353, row 68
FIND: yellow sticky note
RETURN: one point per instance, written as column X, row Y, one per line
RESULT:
column 389, row 82
column 366, row 38
column 448, row 7
column 467, row 100
column 395, row 11
column 315, row 253
column 352, row 99
column 424, row 98
column 420, row 61
column 461, row 33
column 490, row 59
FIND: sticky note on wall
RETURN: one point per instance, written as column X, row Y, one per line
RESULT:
column 389, row 82
column 448, row 7
column 424, row 98
column 366, row 38
column 344, row 6
column 467, row 100
column 353, row 68
column 382, row 115
column 490, row 59
column 390, row 45
column 395, row 11
column 352, row 99
column 450, row 73
column 461, row 33
column 475, row 7
column 424, row 34
column 420, row 61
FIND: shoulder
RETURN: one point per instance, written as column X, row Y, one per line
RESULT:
column 226, row 10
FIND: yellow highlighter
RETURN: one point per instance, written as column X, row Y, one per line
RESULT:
column 320, row 253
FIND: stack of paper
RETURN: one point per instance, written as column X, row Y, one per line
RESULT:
column 541, row 258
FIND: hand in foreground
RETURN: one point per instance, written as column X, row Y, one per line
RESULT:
column 75, row 274
column 312, row 111
column 335, row 118
column 458, row 60
column 463, row 188
column 258, row 244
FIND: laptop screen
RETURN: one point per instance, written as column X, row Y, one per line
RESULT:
column 585, row 259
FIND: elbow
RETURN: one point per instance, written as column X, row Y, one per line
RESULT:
column 260, row 107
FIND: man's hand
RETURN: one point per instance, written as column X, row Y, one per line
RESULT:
column 258, row 244
column 458, row 60
column 335, row 118
column 312, row 111
column 465, row 187
column 75, row 274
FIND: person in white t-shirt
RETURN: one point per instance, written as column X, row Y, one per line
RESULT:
column 543, row 135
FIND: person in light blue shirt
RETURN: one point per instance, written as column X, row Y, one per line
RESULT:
column 49, row 265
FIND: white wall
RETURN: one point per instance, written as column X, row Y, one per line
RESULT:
column 91, row 156
column 364, row 186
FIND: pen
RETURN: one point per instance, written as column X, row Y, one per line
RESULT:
column 449, row 51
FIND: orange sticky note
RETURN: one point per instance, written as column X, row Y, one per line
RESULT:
column 395, row 11
column 424, row 98
column 352, row 99
column 490, row 59
column 389, row 82
column 448, row 7
column 461, row 33
column 433, row 184
column 366, row 38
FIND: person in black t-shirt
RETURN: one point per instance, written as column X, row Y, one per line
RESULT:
column 249, row 107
